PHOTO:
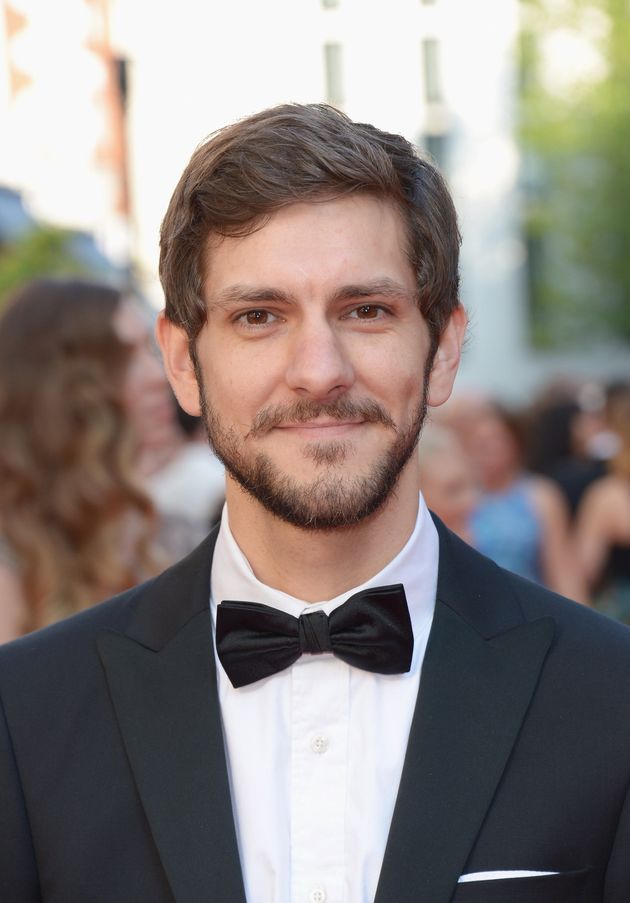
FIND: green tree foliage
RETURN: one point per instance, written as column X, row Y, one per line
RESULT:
column 575, row 131
column 44, row 251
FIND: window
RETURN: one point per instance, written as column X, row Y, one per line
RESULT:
column 431, row 70
column 437, row 147
column 122, row 78
column 334, row 82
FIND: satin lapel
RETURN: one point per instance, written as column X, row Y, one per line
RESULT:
column 167, row 707
column 474, row 694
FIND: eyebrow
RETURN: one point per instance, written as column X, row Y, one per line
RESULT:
column 384, row 288
column 239, row 293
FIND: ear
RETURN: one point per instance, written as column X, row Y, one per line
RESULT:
column 174, row 344
column 447, row 357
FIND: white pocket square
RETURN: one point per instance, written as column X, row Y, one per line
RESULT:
column 495, row 876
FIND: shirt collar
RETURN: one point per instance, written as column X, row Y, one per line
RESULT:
column 415, row 566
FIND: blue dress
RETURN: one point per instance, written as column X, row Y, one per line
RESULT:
column 506, row 528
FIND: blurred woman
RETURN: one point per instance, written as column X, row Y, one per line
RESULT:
column 446, row 478
column 568, row 438
column 75, row 526
column 521, row 520
column 603, row 524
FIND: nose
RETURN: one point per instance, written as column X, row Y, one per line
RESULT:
column 319, row 365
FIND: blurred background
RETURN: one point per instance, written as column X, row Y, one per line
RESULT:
column 524, row 105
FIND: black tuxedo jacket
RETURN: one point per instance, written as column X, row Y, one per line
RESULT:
column 113, row 782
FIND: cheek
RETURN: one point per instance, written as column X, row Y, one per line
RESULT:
column 410, row 394
column 397, row 376
column 237, row 393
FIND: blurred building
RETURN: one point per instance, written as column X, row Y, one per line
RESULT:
column 63, row 145
column 98, row 122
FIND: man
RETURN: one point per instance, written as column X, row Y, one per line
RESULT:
column 394, row 718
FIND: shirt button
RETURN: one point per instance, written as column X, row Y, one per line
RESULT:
column 319, row 744
column 317, row 895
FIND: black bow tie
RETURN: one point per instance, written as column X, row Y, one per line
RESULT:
column 371, row 630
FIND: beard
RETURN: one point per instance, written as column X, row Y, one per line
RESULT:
column 331, row 500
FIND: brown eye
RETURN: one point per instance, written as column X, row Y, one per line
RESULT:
column 256, row 317
column 367, row 312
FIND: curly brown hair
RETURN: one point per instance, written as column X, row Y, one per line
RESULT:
column 66, row 453
column 245, row 172
column 618, row 409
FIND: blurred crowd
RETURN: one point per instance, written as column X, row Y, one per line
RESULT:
column 104, row 480
column 543, row 490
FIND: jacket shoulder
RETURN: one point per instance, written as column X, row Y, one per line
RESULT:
column 494, row 600
column 581, row 626
column 160, row 605
column 67, row 643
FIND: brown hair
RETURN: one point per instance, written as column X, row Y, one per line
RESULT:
column 66, row 486
column 618, row 409
column 291, row 153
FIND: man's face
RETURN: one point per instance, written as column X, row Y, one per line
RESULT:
column 312, row 361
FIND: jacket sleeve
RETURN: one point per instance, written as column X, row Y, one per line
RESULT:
column 18, row 871
column 617, row 886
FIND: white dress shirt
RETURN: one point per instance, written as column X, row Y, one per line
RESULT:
column 315, row 752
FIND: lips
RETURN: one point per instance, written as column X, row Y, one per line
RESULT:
column 319, row 424
column 321, row 429
column 308, row 414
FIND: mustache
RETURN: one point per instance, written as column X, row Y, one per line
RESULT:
column 304, row 409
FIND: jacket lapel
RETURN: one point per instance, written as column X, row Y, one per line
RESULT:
column 162, row 681
column 480, row 671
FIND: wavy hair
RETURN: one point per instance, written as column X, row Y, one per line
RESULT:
column 245, row 172
column 71, row 515
column 618, row 407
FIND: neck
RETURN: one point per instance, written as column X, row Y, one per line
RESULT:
column 315, row 565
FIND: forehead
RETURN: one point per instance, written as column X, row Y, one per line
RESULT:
column 350, row 238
